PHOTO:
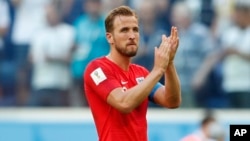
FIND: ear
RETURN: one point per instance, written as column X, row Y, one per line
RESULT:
column 109, row 37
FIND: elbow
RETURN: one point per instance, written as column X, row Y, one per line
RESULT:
column 121, row 105
column 173, row 106
column 175, row 103
column 125, row 108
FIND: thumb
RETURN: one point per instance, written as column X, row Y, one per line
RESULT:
column 156, row 49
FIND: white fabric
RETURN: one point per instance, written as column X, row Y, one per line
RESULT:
column 237, row 69
column 55, row 42
column 4, row 14
column 4, row 17
column 30, row 17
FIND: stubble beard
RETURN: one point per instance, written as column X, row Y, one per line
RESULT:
column 126, row 52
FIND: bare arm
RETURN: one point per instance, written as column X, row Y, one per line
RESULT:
column 64, row 59
column 245, row 55
column 130, row 99
column 3, row 31
column 233, row 50
column 169, row 97
column 209, row 63
column 206, row 67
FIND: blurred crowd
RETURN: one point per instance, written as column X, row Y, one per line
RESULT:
column 45, row 46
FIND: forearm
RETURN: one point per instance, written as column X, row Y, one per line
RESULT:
column 208, row 64
column 172, row 87
column 3, row 31
column 234, row 51
column 126, row 101
column 138, row 93
column 245, row 56
column 62, row 60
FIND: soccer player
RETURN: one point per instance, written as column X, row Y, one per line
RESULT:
column 118, row 91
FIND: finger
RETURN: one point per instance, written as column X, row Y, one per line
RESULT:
column 162, row 41
column 167, row 42
column 176, row 33
column 168, row 45
column 171, row 34
column 156, row 49
column 177, row 42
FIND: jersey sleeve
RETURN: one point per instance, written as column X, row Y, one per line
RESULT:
column 100, row 80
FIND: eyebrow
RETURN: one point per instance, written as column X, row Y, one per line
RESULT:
column 124, row 28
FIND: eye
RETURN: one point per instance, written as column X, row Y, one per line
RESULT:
column 136, row 29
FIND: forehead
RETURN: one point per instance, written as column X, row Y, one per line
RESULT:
column 125, row 21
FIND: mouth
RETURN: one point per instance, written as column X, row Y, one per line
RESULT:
column 131, row 44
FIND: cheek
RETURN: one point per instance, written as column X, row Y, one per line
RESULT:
column 120, row 39
column 138, row 36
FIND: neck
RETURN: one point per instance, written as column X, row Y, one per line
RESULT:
column 120, row 60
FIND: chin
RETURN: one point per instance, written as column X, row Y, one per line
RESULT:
column 132, row 54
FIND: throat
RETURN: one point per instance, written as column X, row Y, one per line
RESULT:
column 122, row 62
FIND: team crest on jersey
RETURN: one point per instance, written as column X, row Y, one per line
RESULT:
column 139, row 79
column 98, row 76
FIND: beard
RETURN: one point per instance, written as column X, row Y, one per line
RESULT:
column 126, row 52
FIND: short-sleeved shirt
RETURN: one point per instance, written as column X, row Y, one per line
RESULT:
column 100, row 78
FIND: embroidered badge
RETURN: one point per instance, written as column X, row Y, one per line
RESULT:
column 139, row 79
column 98, row 76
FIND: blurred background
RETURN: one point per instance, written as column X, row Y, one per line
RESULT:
column 45, row 46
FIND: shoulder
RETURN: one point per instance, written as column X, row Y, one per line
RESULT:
column 98, row 63
column 99, row 70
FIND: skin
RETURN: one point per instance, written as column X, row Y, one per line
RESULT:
column 124, row 42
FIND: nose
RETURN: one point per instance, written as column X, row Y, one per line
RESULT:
column 131, row 35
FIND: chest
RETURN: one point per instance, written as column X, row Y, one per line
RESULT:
column 130, row 79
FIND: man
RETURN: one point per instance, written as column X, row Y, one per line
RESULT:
column 235, row 53
column 29, row 18
column 89, row 29
column 118, row 91
column 209, row 130
column 236, row 50
column 50, row 56
column 194, row 47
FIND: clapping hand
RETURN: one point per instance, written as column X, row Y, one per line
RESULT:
column 166, row 52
